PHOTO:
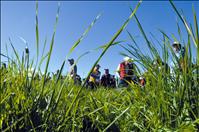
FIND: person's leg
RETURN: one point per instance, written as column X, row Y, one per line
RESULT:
column 127, row 81
column 135, row 79
column 119, row 83
column 92, row 85
column 122, row 83
column 75, row 81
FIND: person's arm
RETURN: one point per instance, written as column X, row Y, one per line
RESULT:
column 102, row 80
column 93, row 75
column 98, row 76
column 75, row 69
column 118, row 71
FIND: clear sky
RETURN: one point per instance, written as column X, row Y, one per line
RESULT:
column 18, row 19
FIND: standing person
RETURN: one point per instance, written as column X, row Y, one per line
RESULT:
column 178, row 49
column 106, row 79
column 94, row 79
column 180, row 53
column 126, row 72
column 73, row 70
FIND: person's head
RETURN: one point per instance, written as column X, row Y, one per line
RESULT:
column 106, row 71
column 71, row 61
column 97, row 67
column 127, row 60
column 176, row 46
column 142, row 81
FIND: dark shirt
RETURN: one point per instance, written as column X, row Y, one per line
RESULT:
column 106, row 80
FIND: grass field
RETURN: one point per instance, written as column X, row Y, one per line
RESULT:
column 168, row 102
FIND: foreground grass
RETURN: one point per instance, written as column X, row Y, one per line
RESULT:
column 133, row 108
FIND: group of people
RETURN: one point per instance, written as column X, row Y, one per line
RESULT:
column 107, row 80
column 126, row 71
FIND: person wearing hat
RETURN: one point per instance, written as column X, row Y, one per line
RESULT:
column 73, row 69
column 106, row 79
column 180, row 53
column 178, row 49
column 94, row 79
column 125, row 71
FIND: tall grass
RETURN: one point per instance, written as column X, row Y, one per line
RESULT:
column 175, row 95
column 168, row 102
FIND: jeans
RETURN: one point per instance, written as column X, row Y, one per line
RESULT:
column 123, row 83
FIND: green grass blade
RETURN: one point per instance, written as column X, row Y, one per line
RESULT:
column 37, row 31
column 53, row 93
column 152, row 49
column 132, row 38
column 114, row 38
column 197, row 39
column 83, row 35
column 184, row 22
column 42, row 59
column 104, row 46
column 15, row 52
column 179, row 31
column 104, row 51
column 7, row 53
column 9, row 59
column 82, row 55
column 50, row 51
column 44, row 47
column 196, row 27
column 116, row 119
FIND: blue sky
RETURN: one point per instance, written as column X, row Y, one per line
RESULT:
column 18, row 19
